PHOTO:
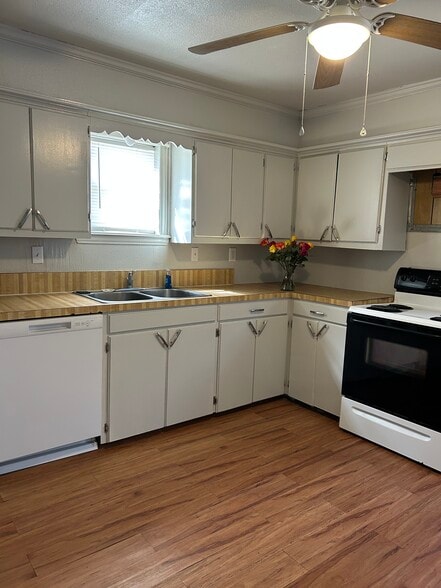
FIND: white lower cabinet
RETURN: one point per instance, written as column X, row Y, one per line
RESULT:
column 317, row 354
column 252, row 352
column 162, row 368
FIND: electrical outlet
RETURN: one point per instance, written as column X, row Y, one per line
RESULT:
column 37, row 255
column 231, row 253
column 194, row 254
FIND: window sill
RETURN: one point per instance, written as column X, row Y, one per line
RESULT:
column 125, row 240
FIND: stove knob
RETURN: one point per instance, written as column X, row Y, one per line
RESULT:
column 404, row 278
column 412, row 278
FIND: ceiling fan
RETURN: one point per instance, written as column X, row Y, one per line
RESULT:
column 339, row 33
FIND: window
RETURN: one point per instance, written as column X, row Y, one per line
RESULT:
column 128, row 186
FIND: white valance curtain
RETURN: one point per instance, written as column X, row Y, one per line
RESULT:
column 137, row 131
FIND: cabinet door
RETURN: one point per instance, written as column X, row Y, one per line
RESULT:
column 247, row 194
column 212, row 212
column 191, row 373
column 303, row 356
column 137, row 380
column 315, row 197
column 60, row 156
column 15, row 167
column 278, row 196
column 236, row 365
column 270, row 360
column 358, row 195
column 329, row 368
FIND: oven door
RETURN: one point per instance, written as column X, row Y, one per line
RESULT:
column 394, row 367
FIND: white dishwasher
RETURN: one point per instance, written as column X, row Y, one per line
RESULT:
column 50, row 389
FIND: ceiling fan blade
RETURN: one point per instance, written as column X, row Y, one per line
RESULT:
column 409, row 28
column 266, row 33
column 328, row 73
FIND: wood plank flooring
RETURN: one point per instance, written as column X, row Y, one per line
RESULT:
column 272, row 495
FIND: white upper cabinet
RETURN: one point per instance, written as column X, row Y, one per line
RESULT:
column 44, row 173
column 15, row 167
column 60, row 151
column 212, row 200
column 246, row 194
column 315, row 197
column 228, row 196
column 414, row 156
column 344, row 200
column 278, row 196
column 358, row 196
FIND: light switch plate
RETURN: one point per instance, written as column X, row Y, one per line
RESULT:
column 194, row 254
column 37, row 255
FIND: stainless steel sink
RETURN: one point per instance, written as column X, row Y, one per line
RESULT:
column 139, row 294
column 173, row 293
column 117, row 296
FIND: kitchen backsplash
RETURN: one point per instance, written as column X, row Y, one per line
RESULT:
column 42, row 282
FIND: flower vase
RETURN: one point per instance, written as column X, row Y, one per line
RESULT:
column 288, row 280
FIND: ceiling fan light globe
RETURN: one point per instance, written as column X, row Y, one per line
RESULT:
column 339, row 38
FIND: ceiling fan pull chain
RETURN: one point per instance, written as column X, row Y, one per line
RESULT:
column 363, row 131
column 302, row 128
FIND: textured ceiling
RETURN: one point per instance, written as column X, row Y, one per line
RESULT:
column 157, row 33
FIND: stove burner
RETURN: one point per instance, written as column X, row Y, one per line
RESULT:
column 435, row 318
column 390, row 307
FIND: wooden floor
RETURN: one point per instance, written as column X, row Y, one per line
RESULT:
column 273, row 495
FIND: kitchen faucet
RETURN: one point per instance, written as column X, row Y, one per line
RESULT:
column 130, row 279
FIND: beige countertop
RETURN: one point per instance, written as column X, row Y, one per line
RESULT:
column 29, row 306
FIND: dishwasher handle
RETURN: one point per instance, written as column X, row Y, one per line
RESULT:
column 51, row 327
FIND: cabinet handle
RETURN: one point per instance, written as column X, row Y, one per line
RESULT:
column 42, row 220
column 317, row 313
column 268, row 230
column 335, row 233
column 322, row 331
column 253, row 328
column 236, row 230
column 174, row 338
column 24, row 218
column 257, row 310
column 262, row 328
column 324, row 233
column 225, row 233
column 311, row 330
column 161, row 340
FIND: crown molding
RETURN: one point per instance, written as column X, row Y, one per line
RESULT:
column 34, row 41
column 378, row 98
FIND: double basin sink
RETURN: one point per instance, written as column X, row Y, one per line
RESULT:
column 139, row 294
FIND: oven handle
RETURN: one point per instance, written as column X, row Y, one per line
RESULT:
column 396, row 328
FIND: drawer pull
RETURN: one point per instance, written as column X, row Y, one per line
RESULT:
column 262, row 328
column 24, row 218
column 257, row 310
column 253, row 328
column 317, row 313
column 161, row 340
column 175, row 338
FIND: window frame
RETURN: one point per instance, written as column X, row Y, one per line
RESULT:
column 134, row 238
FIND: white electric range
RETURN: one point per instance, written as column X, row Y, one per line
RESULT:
column 391, row 391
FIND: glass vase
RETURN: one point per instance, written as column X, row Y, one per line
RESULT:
column 288, row 280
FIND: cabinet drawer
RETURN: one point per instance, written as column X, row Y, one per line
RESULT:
column 237, row 310
column 164, row 317
column 323, row 312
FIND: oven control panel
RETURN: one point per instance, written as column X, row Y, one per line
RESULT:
column 418, row 281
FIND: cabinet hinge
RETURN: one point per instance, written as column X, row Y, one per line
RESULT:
column 217, row 332
column 106, row 428
column 107, row 347
column 193, row 150
column 290, row 323
column 214, row 400
column 193, row 222
column 263, row 162
column 386, row 155
column 378, row 229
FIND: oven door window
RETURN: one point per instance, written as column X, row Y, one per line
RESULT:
column 396, row 358
column 394, row 367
